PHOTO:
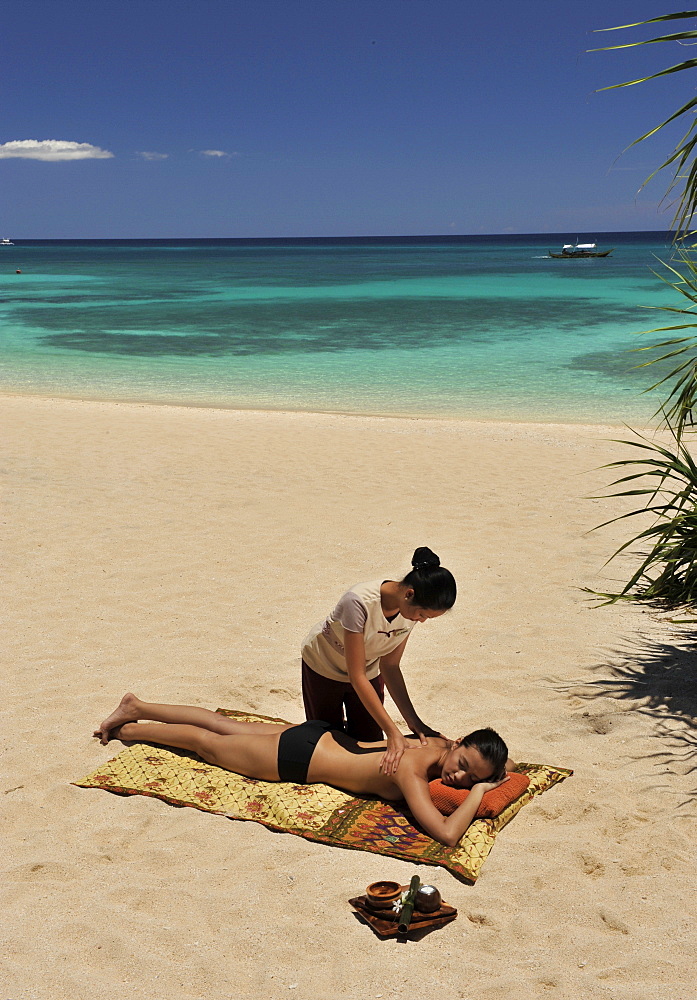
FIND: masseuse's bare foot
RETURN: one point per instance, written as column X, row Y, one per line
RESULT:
column 126, row 712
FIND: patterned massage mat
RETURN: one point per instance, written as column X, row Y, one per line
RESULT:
column 316, row 812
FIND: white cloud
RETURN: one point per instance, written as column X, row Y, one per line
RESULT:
column 152, row 156
column 51, row 150
column 217, row 152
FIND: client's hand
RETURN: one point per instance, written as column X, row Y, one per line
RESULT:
column 487, row 786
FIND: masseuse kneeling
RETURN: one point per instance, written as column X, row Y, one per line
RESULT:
column 349, row 658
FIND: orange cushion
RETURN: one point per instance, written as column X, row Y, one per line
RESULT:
column 446, row 799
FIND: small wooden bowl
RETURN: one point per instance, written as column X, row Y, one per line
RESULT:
column 382, row 895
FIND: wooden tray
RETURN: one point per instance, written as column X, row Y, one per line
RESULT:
column 385, row 922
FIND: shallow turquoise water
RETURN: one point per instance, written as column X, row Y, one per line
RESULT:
column 464, row 326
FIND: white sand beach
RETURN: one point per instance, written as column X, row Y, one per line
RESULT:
column 183, row 554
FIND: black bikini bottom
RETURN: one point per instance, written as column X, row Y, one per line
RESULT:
column 295, row 749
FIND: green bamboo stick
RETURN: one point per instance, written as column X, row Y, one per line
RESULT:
column 408, row 907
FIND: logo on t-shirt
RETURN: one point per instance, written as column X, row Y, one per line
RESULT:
column 395, row 631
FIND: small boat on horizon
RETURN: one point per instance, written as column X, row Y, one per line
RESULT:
column 6, row 243
column 580, row 250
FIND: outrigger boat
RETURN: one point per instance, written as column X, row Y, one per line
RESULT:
column 580, row 250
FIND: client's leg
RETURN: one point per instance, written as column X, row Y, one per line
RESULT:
column 253, row 754
column 132, row 709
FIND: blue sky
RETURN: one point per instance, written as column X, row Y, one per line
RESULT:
column 254, row 118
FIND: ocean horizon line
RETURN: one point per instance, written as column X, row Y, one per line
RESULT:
column 445, row 238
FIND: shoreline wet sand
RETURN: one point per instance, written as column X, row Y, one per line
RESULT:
column 183, row 553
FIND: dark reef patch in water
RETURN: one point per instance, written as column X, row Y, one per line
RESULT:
column 621, row 366
column 291, row 327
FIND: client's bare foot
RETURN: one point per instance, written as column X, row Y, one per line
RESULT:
column 126, row 712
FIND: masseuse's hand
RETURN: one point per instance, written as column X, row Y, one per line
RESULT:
column 396, row 745
column 423, row 731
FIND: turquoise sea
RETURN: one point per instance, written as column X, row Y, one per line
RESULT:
column 484, row 326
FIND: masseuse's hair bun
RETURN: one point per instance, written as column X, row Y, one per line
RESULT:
column 424, row 559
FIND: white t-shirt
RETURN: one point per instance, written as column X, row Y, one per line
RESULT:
column 359, row 610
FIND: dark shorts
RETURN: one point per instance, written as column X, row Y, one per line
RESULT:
column 295, row 749
column 339, row 704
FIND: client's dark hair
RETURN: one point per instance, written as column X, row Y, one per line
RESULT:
column 491, row 747
column 434, row 586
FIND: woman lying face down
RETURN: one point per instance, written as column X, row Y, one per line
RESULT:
column 313, row 752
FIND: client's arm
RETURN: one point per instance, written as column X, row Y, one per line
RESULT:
column 446, row 829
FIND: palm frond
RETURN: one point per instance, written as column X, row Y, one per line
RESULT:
column 662, row 478
column 678, row 68
column 683, row 156
column 667, row 573
column 652, row 20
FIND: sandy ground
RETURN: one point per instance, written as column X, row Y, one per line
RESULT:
column 183, row 553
